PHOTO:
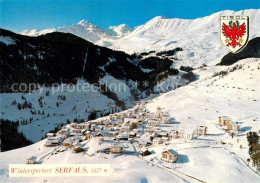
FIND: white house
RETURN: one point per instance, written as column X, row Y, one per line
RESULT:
column 165, row 119
column 201, row 130
column 189, row 134
column 157, row 141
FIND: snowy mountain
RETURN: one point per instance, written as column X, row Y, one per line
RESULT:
column 199, row 37
column 88, row 31
column 120, row 30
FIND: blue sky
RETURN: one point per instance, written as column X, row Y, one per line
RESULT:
column 18, row 15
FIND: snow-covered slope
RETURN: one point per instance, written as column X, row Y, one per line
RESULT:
column 235, row 94
column 215, row 157
column 199, row 37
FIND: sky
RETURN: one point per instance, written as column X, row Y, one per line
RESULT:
column 18, row 15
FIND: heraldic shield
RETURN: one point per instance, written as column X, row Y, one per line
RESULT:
column 234, row 33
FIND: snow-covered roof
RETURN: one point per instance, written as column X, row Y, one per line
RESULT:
column 171, row 151
column 118, row 145
column 52, row 141
column 143, row 149
column 226, row 118
column 125, row 127
column 32, row 158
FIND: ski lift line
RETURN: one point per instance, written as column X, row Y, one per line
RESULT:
column 85, row 61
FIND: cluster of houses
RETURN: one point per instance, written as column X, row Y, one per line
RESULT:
column 137, row 125
column 229, row 124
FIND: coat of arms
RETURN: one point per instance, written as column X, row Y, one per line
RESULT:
column 234, row 32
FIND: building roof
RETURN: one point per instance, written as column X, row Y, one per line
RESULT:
column 118, row 145
column 143, row 149
column 171, row 151
column 52, row 141
column 225, row 118
column 32, row 158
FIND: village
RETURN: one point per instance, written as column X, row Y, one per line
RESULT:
column 137, row 128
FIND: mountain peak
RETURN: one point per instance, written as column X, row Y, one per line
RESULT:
column 83, row 22
column 160, row 17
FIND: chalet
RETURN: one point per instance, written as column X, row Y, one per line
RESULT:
column 77, row 149
column 130, row 113
column 31, row 160
column 233, row 126
column 163, row 134
column 85, row 126
column 51, row 143
column 101, row 139
column 169, row 156
column 157, row 130
column 122, row 136
column 132, row 134
column 144, row 152
column 50, row 135
column 125, row 128
column 159, row 113
column 68, row 142
column 88, row 134
column 98, row 122
column 157, row 141
column 136, row 130
column 66, row 134
column 73, row 125
column 116, row 149
column 149, row 127
column 201, row 130
column 140, row 123
column 174, row 134
column 153, row 123
column 166, row 119
column 164, row 139
column 223, row 120
column 129, row 120
column 143, row 142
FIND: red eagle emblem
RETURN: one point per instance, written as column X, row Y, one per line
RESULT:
column 234, row 33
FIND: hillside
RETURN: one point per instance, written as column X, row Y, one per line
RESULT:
column 51, row 79
column 214, row 157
